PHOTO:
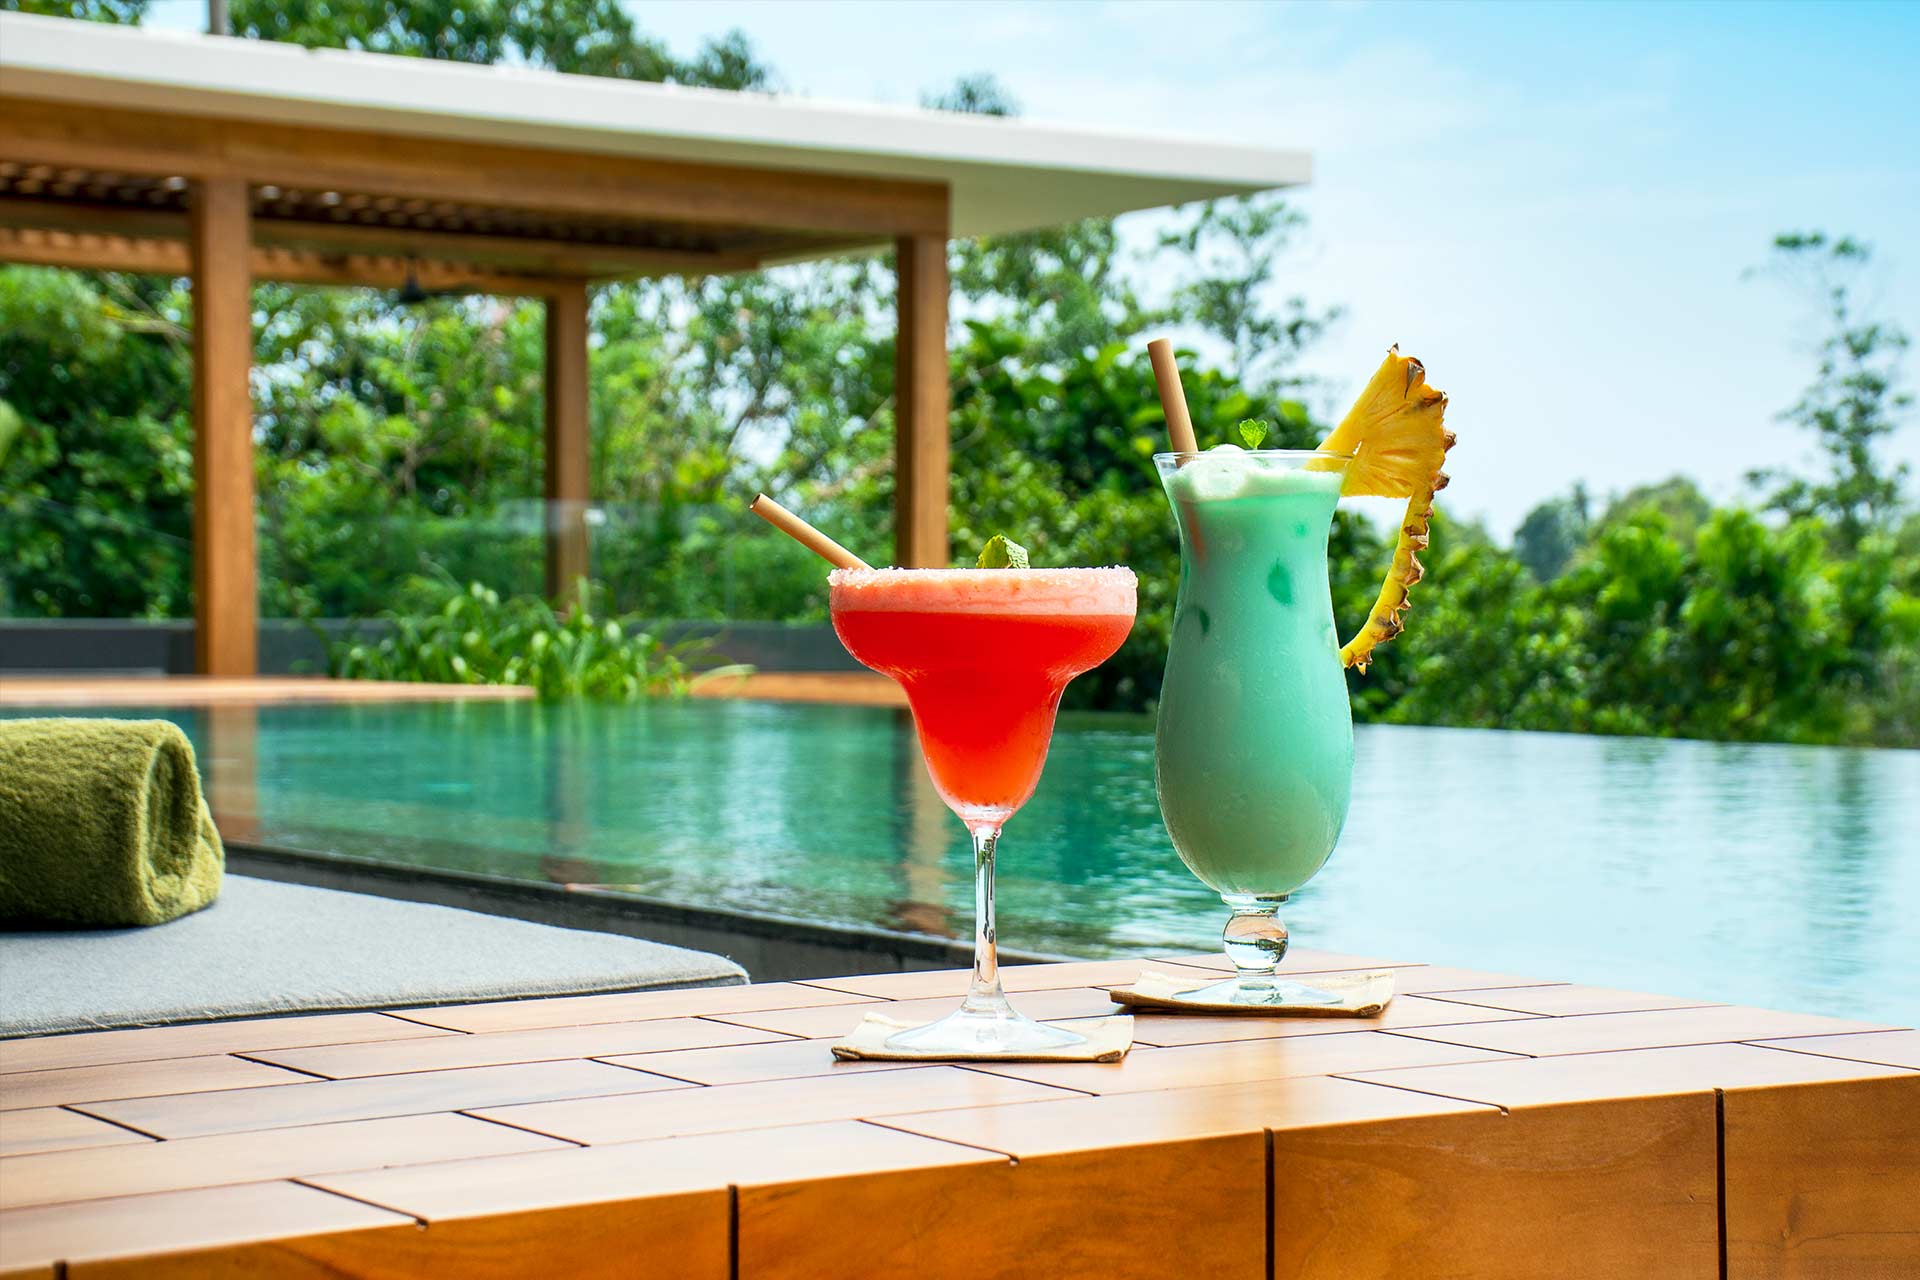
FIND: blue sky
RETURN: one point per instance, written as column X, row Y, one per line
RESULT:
column 1552, row 205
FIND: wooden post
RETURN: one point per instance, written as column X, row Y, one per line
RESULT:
column 226, row 602
column 568, row 441
column 920, row 458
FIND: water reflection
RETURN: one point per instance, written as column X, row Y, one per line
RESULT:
column 925, row 831
column 1783, row 876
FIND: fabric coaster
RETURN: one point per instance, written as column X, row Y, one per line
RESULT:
column 1361, row 995
column 1108, row 1040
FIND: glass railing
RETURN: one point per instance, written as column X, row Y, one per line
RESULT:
column 684, row 562
column 694, row 562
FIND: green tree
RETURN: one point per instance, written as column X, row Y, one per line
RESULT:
column 1551, row 533
column 1677, row 499
column 94, row 490
column 1854, row 403
column 124, row 12
column 1232, row 251
column 587, row 37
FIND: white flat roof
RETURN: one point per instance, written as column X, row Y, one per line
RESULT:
column 1004, row 174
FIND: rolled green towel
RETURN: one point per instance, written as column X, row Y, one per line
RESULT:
column 102, row 823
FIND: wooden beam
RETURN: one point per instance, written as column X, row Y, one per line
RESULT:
column 495, row 254
column 567, row 259
column 87, row 251
column 568, row 443
column 597, row 183
column 920, row 405
column 290, row 266
column 225, row 590
column 82, row 217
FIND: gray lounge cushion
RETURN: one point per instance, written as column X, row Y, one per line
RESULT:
column 268, row 948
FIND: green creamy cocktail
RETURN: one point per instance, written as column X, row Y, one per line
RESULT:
column 1254, row 746
column 1254, row 752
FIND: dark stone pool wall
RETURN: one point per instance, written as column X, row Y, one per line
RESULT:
column 770, row 948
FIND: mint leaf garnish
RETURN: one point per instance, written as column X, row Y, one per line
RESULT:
column 1000, row 553
column 1253, row 431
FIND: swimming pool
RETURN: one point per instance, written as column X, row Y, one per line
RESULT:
column 1770, row 875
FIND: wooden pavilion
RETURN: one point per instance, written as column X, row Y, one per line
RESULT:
column 230, row 161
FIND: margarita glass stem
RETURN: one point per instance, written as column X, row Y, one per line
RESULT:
column 985, row 996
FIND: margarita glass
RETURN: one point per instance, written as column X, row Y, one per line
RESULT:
column 983, row 655
column 1253, row 746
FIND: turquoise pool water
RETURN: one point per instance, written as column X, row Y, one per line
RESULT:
column 1780, row 876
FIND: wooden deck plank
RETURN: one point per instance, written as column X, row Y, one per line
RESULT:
column 778, row 1102
column 1629, row 1073
column 837, row 1020
column 1602, row 1032
column 137, row 1227
column 545, row 1044
column 439, row 1193
column 838, row 688
column 1029, row 1129
column 226, row 691
column 1169, row 1029
column 375, row 1097
column 1891, row 1048
column 1566, row 1001
column 1136, row 1213
column 58, row 1177
column 1432, row 979
column 146, row 1044
column 1824, row 1179
column 136, row 1080
column 637, row 1006
column 932, row 983
column 748, row 1063
column 1634, row 1073
column 1242, row 1062
column 1586, row 1190
column 684, row 1237
column 36, row 1129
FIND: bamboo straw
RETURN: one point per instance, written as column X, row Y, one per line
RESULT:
column 1166, row 372
column 805, row 534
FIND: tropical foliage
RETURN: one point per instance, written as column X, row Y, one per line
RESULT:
column 473, row 635
column 399, row 447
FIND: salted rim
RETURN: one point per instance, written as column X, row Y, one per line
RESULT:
column 1103, row 590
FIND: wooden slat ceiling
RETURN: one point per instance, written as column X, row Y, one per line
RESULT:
column 44, row 205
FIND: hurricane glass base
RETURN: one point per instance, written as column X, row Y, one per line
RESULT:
column 1256, row 993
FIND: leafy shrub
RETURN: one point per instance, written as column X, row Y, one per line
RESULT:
column 475, row 636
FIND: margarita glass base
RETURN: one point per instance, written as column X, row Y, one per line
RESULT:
column 985, row 1031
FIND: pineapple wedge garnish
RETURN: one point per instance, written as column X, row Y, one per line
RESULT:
column 1399, row 442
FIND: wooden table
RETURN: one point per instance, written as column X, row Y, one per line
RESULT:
column 1486, row 1125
